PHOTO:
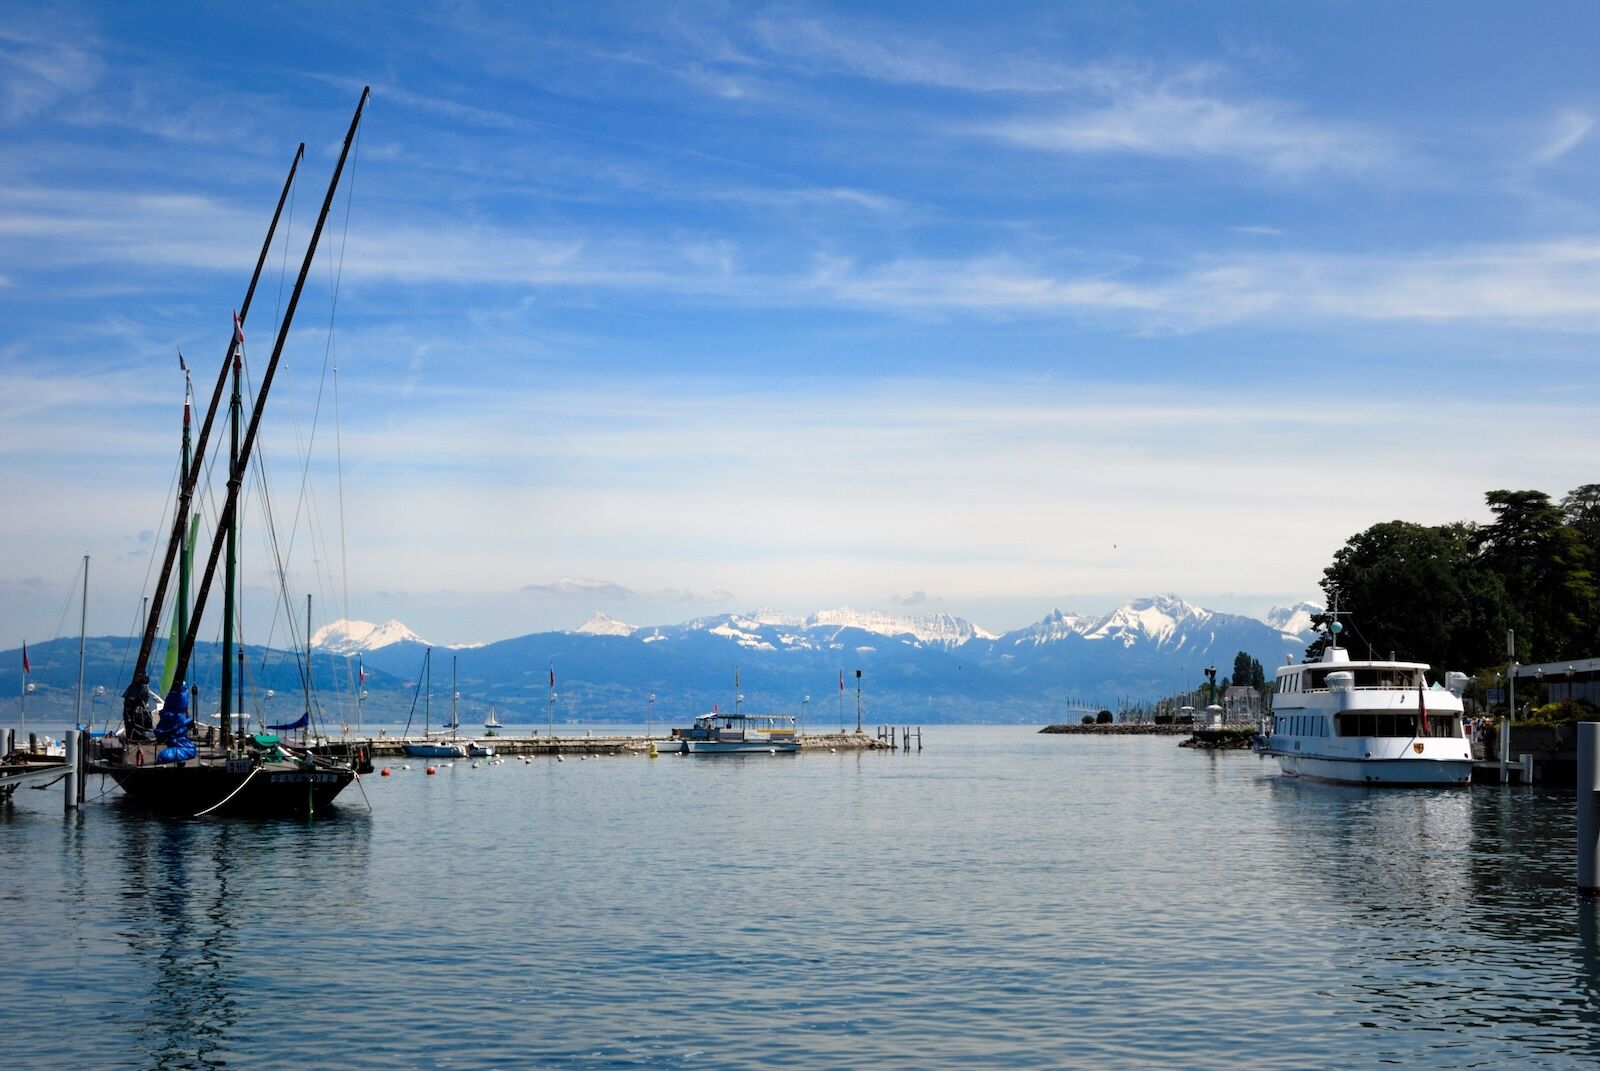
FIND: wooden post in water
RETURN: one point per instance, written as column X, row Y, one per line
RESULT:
column 1588, row 807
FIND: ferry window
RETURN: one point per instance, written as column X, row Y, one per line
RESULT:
column 1445, row 726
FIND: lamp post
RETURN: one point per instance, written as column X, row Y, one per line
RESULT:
column 858, row 702
column 803, row 703
column 649, row 710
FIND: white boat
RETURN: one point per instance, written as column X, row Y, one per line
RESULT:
column 720, row 734
column 1367, row 723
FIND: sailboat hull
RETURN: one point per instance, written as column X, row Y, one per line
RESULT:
column 200, row 787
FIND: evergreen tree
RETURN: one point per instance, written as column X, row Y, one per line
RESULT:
column 1241, row 667
column 1544, row 566
column 1417, row 592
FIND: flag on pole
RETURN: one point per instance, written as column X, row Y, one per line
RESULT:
column 552, row 678
column 25, row 667
column 841, row 680
column 361, row 671
column 238, row 329
column 1422, row 707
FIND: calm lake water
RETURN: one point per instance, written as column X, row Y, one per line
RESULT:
column 1002, row 899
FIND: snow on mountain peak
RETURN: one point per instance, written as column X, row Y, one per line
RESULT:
column 350, row 637
column 601, row 625
column 1293, row 620
column 1053, row 627
column 1157, row 619
column 944, row 630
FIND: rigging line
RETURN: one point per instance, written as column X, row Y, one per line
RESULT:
column 344, row 555
column 283, row 268
column 330, row 356
column 66, row 604
column 232, row 794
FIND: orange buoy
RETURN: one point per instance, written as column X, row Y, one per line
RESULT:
column 384, row 772
column 432, row 771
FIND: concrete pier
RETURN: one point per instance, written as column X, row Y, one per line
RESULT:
column 393, row 747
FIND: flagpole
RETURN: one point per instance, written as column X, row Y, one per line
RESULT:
column 22, row 699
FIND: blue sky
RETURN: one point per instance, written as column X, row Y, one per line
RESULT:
column 666, row 310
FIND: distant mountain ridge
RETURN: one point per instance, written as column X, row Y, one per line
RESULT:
column 915, row 669
column 1163, row 621
column 931, row 666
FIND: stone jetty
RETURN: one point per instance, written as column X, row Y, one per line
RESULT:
column 389, row 747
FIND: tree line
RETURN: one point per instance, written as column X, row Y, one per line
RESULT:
column 1446, row 594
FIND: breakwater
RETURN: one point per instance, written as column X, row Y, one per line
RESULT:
column 1120, row 728
column 391, row 747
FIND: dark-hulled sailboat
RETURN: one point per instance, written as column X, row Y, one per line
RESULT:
column 160, row 765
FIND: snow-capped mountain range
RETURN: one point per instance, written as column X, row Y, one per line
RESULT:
column 914, row 670
column 933, row 667
column 1162, row 622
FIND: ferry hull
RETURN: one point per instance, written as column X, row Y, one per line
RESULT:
column 1387, row 772
column 733, row 747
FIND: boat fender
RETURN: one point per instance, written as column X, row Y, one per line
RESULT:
column 385, row 772
column 432, row 771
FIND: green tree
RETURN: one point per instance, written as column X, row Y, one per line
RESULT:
column 1543, row 563
column 1241, row 667
column 1582, row 509
column 1416, row 591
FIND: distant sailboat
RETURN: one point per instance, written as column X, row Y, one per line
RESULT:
column 427, row 747
column 491, row 723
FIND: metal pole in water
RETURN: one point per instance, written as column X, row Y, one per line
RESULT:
column 70, row 795
column 1511, row 706
column 1588, row 807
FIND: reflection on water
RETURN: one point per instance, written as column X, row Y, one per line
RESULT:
column 999, row 900
column 140, row 941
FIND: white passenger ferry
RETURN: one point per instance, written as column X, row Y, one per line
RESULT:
column 1367, row 723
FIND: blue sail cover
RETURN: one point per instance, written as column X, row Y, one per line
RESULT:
column 299, row 723
column 172, row 730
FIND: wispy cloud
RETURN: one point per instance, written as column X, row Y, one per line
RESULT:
column 1185, row 118
column 584, row 589
column 874, row 51
column 580, row 587
column 1566, row 132
column 40, row 67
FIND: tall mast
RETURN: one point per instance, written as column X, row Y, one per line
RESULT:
column 83, row 628
column 138, row 685
column 308, row 660
column 455, row 722
column 231, row 506
column 235, row 474
column 185, row 558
